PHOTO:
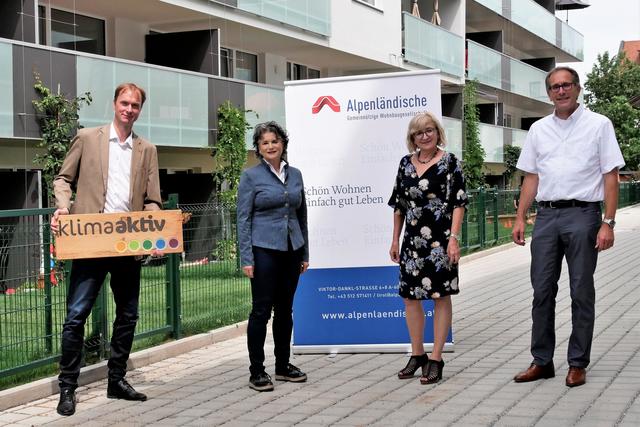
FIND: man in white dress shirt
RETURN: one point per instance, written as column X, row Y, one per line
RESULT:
column 110, row 169
column 571, row 160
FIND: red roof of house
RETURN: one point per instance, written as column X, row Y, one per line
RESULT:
column 631, row 49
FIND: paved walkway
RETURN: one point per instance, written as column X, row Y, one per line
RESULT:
column 208, row 386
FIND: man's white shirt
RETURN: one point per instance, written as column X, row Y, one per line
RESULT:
column 570, row 156
column 118, row 181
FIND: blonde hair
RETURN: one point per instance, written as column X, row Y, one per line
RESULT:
column 419, row 122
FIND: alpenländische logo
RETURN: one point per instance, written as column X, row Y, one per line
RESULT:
column 327, row 100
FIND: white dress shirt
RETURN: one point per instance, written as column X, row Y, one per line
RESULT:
column 118, row 188
column 281, row 174
column 570, row 156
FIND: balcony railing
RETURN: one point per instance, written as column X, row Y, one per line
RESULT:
column 492, row 140
column 262, row 103
column 535, row 18
column 572, row 41
column 310, row 15
column 6, row 91
column 429, row 45
column 453, row 130
column 497, row 70
column 175, row 114
column 518, row 137
column 495, row 5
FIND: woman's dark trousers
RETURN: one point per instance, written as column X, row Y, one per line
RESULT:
column 275, row 278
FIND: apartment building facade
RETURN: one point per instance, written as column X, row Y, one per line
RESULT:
column 192, row 55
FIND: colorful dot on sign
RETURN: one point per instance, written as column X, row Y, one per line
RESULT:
column 160, row 244
column 174, row 243
column 134, row 245
column 147, row 245
column 121, row 246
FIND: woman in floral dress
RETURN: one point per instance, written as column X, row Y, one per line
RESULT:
column 429, row 200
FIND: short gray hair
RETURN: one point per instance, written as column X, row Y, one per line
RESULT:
column 574, row 75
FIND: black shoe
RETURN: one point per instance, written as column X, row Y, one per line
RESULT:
column 67, row 403
column 291, row 373
column 432, row 373
column 121, row 389
column 261, row 382
column 414, row 363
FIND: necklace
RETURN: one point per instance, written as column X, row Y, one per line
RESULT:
column 424, row 162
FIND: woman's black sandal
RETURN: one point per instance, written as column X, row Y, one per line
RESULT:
column 432, row 373
column 415, row 363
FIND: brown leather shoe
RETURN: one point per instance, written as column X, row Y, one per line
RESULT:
column 576, row 376
column 535, row 372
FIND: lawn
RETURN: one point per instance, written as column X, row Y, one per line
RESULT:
column 211, row 295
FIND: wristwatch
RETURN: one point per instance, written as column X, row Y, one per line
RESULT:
column 455, row 236
column 610, row 222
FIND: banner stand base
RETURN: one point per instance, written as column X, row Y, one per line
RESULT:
column 333, row 350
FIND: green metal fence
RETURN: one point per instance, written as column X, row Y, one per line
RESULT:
column 199, row 290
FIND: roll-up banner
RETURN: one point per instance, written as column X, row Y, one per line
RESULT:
column 347, row 136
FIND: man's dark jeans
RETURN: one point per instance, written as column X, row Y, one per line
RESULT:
column 87, row 276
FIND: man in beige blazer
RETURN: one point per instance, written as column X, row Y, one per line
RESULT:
column 111, row 169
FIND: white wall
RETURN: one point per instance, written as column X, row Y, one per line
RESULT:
column 128, row 39
column 375, row 33
column 198, row 160
column 273, row 69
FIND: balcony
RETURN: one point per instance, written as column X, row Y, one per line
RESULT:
column 6, row 91
column 500, row 71
column 555, row 37
column 431, row 46
column 180, row 106
column 310, row 15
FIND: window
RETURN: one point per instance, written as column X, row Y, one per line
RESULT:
column 71, row 31
column 301, row 72
column 376, row 4
column 226, row 62
column 244, row 67
column 42, row 24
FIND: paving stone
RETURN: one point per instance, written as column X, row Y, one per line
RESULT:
column 208, row 386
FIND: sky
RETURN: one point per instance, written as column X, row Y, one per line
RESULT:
column 603, row 24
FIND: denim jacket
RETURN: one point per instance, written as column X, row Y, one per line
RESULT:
column 271, row 213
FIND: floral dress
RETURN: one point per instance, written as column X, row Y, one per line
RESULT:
column 427, row 204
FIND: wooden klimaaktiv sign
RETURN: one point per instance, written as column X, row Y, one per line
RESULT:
column 118, row 234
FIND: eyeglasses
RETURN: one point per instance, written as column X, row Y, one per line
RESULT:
column 424, row 132
column 565, row 86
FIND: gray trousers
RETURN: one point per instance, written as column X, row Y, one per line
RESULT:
column 558, row 233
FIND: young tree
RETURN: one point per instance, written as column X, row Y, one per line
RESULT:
column 511, row 155
column 231, row 153
column 58, row 123
column 610, row 86
column 473, row 153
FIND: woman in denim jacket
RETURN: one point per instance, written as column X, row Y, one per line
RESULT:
column 274, row 250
